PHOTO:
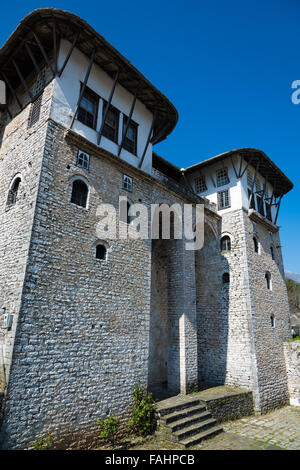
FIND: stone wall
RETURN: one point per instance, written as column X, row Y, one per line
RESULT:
column 82, row 340
column 21, row 154
column 223, row 310
column 271, row 390
column 292, row 358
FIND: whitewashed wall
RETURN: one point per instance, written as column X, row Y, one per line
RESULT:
column 238, row 189
column 66, row 93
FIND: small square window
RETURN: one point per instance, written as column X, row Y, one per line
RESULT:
column 200, row 184
column 83, row 160
column 127, row 183
column 130, row 140
column 222, row 177
column 223, row 199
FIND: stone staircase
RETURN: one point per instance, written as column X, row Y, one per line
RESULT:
column 187, row 420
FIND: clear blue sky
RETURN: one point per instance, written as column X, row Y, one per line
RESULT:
column 226, row 65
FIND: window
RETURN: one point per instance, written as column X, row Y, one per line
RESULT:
column 79, row 193
column 88, row 108
column 226, row 278
column 101, row 251
column 223, row 199
column 268, row 211
column 255, row 243
column 111, row 124
column 130, row 141
column 35, row 111
column 257, row 186
column 272, row 320
column 222, row 177
column 271, row 236
column 254, row 227
column 127, row 183
column 124, row 212
column 40, row 83
column 83, row 160
column 200, row 184
column 225, row 243
column 272, row 252
column 268, row 280
column 260, row 205
column 13, row 192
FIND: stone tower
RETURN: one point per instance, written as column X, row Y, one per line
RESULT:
column 84, row 317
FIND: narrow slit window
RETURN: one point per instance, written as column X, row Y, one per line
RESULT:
column 255, row 244
column 268, row 280
column 13, row 192
column 35, row 111
column 101, row 251
column 226, row 278
column 79, row 193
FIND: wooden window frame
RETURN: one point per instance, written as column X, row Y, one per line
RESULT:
column 93, row 97
column 135, row 126
column 116, row 130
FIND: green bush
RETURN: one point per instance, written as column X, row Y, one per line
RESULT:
column 143, row 419
column 108, row 428
column 43, row 443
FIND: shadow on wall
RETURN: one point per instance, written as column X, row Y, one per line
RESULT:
column 212, row 304
column 212, row 300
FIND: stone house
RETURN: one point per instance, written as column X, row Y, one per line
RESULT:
column 84, row 318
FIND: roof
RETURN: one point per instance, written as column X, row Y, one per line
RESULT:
column 266, row 167
column 107, row 57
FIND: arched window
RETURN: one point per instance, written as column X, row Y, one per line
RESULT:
column 225, row 243
column 101, row 251
column 268, row 279
column 255, row 243
column 79, row 193
column 272, row 320
column 13, row 192
column 226, row 278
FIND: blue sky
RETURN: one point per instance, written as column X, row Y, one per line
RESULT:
column 227, row 67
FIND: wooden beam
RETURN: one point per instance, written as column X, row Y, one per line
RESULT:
column 241, row 164
column 75, row 39
column 148, row 139
column 83, row 86
column 263, row 193
column 22, row 80
column 30, row 53
column 107, row 107
column 43, row 52
column 54, row 47
column 231, row 158
column 12, row 90
column 245, row 169
column 127, row 124
column 278, row 206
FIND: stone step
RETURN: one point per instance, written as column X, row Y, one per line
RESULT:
column 178, row 415
column 189, row 421
column 201, row 436
column 193, row 429
column 172, row 408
